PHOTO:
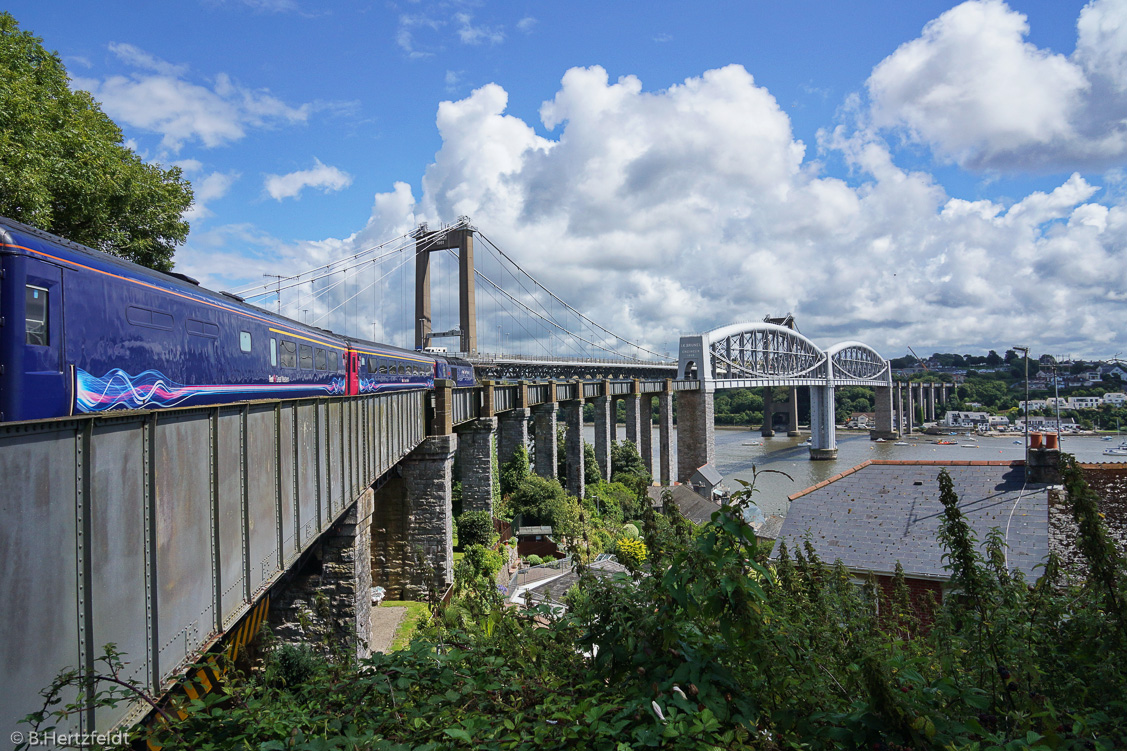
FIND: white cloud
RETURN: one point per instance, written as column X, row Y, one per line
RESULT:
column 210, row 188
column 323, row 177
column 978, row 94
column 470, row 34
column 663, row 212
column 138, row 58
column 526, row 24
column 162, row 101
column 453, row 78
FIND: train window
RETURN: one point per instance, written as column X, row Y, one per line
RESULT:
column 244, row 341
column 306, row 355
column 383, row 368
column 320, row 360
column 149, row 318
column 35, row 316
column 402, row 370
column 201, row 328
column 273, row 352
column 288, row 357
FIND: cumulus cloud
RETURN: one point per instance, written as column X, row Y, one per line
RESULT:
column 210, row 187
column 973, row 89
column 158, row 99
column 662, row 212
column 323, row 177
column 479, row 34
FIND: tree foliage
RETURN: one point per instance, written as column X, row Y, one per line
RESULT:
column 475, row 528
column 719, row 648
column 65, row 169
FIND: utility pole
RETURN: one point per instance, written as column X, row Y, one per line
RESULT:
column 278, row 292
column 1025, row 352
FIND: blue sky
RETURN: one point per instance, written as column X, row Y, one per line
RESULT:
column 941, row 175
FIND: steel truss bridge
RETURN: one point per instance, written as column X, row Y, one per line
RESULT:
column 747, row 355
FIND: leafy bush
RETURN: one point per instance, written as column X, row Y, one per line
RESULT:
column 630, row 532
column 514, row 471
column 475, row 528
column 533, row 560
column 631, row 553
column 294, row 664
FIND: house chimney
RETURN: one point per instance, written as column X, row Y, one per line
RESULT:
column 1044, row 466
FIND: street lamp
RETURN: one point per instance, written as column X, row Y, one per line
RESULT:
column 1025, row 353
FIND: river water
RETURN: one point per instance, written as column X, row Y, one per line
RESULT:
column 740, row 450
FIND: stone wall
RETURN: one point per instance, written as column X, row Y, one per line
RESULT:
column 696, row 438
column 475, row 461
column 327, row 603
column 412, row 529
column 1109, row 481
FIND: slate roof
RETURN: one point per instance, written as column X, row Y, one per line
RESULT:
column 692, row 505
column 881, row 512
column 555, row 589
column 709, row 474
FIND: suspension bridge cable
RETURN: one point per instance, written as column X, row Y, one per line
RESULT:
column 330, row 264
column 557, row 298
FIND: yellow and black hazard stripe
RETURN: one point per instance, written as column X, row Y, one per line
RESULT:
column 204, row 677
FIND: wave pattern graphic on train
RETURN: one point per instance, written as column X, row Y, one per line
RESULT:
column 162, row 340
column 152, row 389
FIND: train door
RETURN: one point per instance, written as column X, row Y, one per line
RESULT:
column 352, row 369
column 42, row 387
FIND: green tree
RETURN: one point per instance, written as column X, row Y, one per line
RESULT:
column 475, row 528
column 591, row 472
column 514, row 470
column 625, row 460
column 65, row 169
column 545, row 502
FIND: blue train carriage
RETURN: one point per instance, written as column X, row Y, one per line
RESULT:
column 381, row 368
column 84, row 331
column 459, row 371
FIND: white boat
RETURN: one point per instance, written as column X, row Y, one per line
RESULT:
column 880, row 440
column 807, row 442
column 900, row 443
column 1120, row 450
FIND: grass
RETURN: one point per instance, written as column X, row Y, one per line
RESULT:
column 417, row 614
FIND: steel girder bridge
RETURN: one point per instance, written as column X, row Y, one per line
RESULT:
column 748, row 355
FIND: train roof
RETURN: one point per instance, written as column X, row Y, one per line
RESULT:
column 388, row 349
column 16, row 236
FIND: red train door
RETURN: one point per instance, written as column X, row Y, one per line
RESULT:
column 352, row 368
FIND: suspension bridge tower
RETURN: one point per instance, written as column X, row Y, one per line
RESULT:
column 456, row 237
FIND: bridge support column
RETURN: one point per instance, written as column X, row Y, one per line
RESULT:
column 604, row 430
column 899, row 408
column 823, row 428
column 512, row 433
column 646, row 431
column 329, row 600
column 931, row 401
column 634, row 417
column 475, row 461
column 910, row 415
column 412, row 528
column 792, row 413
column 768, row 429
column 696, row 434
column 573, row 418
column 544, row 424
column 665, row 432
column 884, row 411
